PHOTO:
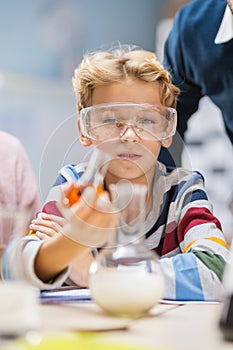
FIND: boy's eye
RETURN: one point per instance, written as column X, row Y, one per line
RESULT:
column 109, row 121
column 108, row 117
column 146, row 121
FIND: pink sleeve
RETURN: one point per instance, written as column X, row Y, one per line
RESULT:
column 19, row 194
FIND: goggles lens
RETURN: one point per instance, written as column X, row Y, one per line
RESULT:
column 110, row 121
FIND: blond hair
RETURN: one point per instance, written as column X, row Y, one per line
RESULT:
column 102, row 68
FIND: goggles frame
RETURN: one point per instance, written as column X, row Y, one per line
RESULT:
column 170, row 116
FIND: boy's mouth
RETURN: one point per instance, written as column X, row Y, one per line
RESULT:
column 129, row 156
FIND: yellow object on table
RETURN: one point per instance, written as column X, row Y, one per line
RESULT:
column 71, row 341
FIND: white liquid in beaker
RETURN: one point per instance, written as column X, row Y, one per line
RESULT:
column 125, row 292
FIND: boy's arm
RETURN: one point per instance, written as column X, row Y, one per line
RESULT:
column 56, row 254
column 196, row 272
column 50, row 226
column 188, row 278
column 88, row 225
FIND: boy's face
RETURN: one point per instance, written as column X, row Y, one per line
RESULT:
column 134, row 157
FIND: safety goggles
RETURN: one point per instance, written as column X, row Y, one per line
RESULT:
column 111, row 120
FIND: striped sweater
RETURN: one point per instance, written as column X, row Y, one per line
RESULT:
column 180, row 228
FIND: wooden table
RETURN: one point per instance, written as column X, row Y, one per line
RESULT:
column 174, row 327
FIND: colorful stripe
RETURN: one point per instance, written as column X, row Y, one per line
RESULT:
column 213, row 239
column 188, row 284
column 213, row 261
column 194, row 217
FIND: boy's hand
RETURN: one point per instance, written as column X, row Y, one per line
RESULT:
column 92, row 220
column 47, row 225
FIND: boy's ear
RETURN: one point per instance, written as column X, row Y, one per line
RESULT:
column 85, row 141
column 167, row 142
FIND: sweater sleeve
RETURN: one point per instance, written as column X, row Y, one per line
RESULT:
column 18, row 188
column 26, row 184
column 24, row 251
column 196, row 273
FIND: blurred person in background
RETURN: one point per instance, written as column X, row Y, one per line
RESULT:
column 199, row 55
column 19, row 194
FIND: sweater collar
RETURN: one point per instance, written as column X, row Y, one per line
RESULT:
column 225, row 32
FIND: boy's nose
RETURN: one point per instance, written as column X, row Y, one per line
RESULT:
column 129, row 134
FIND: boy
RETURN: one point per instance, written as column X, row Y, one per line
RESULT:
column 126, row 102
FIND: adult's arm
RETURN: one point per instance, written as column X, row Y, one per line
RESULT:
column 178, row 61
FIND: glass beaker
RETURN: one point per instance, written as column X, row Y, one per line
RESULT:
column 125, row 278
